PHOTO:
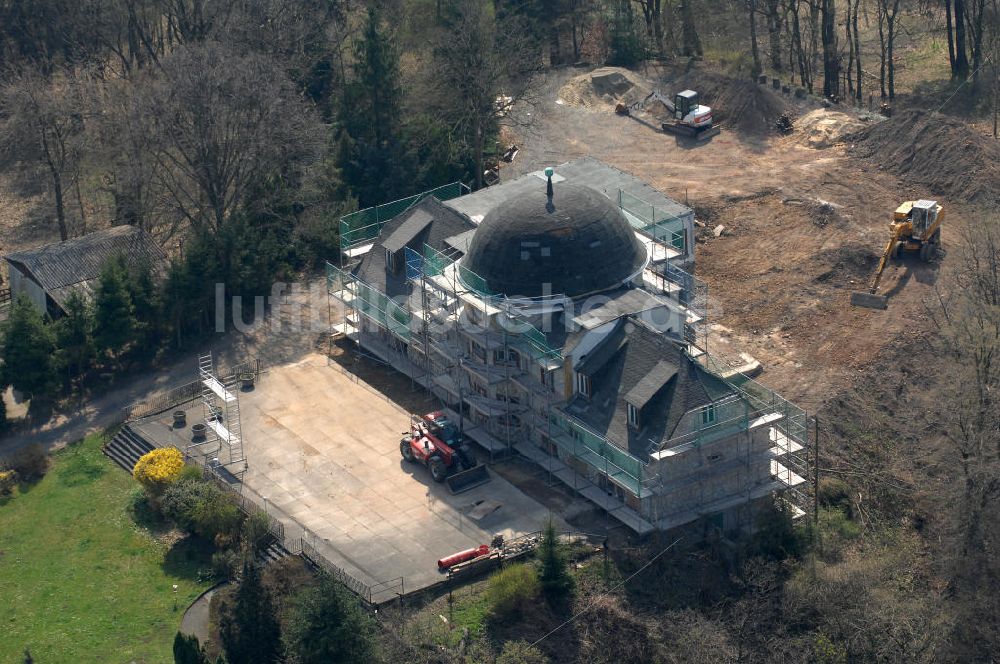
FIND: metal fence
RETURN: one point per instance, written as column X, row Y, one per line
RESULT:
column 247, row 506
column 161, row 402
column 365, row 225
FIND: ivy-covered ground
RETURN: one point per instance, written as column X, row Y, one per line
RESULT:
column 82, row 577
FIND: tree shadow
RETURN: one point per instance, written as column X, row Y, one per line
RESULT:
column 147, row 518
column 535, row 621
column 189, row 558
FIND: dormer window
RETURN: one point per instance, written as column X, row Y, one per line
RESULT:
column 708, row 415
column 583, row 384
column 633, row 417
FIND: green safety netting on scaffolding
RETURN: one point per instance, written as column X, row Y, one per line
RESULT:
column 365, row 225
column 653, row 221
column 577, row 440
column 369, row 301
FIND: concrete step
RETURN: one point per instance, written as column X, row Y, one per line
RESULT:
column 273, row 553
column 126, row 448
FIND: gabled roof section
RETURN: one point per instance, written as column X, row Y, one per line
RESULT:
column 66, row 263
column 428, row 222
column 62, row 267
column 407, row 231
column 651, row 383
column 664, row 382
column 594, row 361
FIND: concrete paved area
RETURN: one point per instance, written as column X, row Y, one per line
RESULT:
column 324, row 450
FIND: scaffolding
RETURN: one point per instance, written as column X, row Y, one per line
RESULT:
column 665, row 228
column 440, row 358
column 221, row 404
column 363, row 227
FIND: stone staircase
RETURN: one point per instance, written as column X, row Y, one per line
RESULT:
column 126, row 447
column 273, row 553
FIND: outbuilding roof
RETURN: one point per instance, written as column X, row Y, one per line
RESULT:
column 62, row 267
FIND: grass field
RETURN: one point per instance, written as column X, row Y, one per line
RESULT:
column 80, row 581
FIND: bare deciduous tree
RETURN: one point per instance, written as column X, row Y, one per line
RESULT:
column 484, row 70
column 225, row 126
column 43, row 132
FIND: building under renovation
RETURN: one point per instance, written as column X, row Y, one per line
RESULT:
column 556, row 316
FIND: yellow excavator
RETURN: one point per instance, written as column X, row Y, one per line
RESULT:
column 915, row 229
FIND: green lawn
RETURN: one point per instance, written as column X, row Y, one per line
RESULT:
column 79, row 580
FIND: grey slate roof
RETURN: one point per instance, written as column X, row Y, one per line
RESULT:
column 407, row 231
column 575, row 244
column 586, row 171
column 75, row 264
column 650, row 384
column 651, row 364
column 443, row 223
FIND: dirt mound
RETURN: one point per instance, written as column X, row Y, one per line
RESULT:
column 604, row 87
column 745, row 106
column 849, row 263
column 934, row 151
column 824, row 128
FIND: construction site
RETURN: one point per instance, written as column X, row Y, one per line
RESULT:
column 649, row 317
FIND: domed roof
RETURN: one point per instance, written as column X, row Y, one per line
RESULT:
column 578, row 243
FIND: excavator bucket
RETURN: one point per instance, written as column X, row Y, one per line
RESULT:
column 868, row 300
column 468, row 479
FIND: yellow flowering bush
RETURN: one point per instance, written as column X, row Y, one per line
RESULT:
column 158, row 469
column 8, row 478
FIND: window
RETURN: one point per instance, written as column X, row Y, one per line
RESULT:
column 479, row 388
column 512, row 399
column 583, row 384
column 394, row 261
column 477, row 351
column 708, row 414
column 633, row 416
column 509, row 358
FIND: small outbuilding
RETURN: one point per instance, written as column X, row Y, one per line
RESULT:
column 48, row 274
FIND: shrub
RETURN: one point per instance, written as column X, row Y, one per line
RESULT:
column 8, row 478
column 181, row 498
column 187, row 650
column 226, row 564
column 511, row 590
column 834, row 492
column 521, row 652
column 158, row 469
column 199, row 506
column 30, row 463
column 217, row 520
column 256, row 532
column 190, row 472
column 557, row 584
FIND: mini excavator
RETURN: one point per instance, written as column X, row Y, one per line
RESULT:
column 690, row 119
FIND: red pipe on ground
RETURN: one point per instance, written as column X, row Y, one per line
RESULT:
column 462, row 556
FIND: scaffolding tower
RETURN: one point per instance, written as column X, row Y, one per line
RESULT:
column 221, row 402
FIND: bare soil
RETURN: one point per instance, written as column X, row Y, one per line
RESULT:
column 805, row 221
column 943, row 154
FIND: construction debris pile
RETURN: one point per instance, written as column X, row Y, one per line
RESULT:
column 942, row 154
